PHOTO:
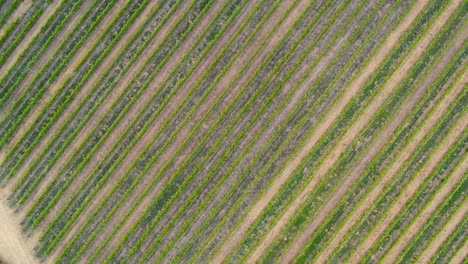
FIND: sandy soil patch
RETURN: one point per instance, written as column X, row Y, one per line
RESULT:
column 14, row 247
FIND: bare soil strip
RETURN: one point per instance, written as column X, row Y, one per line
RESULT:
column 411, row 189
column 69, row 71
column 404, row 155
column 425, row 215
column 370, row 153
column 449, row 228
column 319, row 131
column 103, row 109
column 14, row 247
column 225, row 80
column 359, row 124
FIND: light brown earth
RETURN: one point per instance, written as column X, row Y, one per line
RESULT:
column 68, row 71
column 451, row 226
column 411, row 189
column 370, row 153
column 14, row 247
column 394, row 167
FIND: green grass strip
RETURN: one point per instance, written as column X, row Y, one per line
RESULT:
column 264, row 103
column 77, row 162
column 11, row 7
column 207, row 178
column 209, row 36
column 347, row 160
column 435, row 46
column 21, row 196
column 228, row 152
column 292, row 113
column 25, row 25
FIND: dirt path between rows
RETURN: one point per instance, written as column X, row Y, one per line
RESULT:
column 129, row 116
column 14, row 247
column 67, row 72
column 107, row 62
column 410, row 190
column 395, row 166
column 320, row 129
column 404, row 239
column 370, row 153
column 452, row 225
column 47, row 54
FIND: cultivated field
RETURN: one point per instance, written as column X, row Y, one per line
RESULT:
column 233, row 131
